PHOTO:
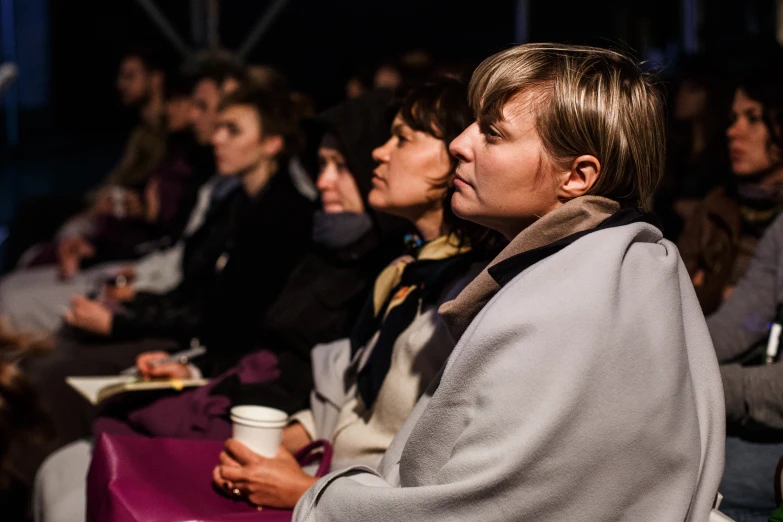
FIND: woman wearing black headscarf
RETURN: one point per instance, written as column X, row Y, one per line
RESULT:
column 319, row 301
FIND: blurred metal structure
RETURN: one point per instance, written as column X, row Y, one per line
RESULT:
column 779, row 21
column 213, row 23
column 166, row 28
column 205, row 25
column 197, row 29
column 690, row 26
column 261, row 27
column 522, row 22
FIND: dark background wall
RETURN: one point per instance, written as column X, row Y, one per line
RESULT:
column 71, row 126
column 318, row 44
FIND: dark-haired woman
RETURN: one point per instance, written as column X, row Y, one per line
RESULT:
column 721, row 236
column 398, row 345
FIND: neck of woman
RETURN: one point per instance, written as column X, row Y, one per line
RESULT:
column 773, row 177
column 150, row 113
column 257, row 176
column 431, row 225
column 698, row 138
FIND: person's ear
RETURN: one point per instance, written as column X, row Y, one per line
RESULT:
column 580, row 177
column 273, row 146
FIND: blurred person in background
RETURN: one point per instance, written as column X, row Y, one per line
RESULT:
column 156, row 274
column 721, row 235
column 23, row 427
column 318, row 304
column 697, row 156
column 321, row 299
column 140, row 86
column 32, row 301
column 408, row 70
column 359, row 83
column 234, row 266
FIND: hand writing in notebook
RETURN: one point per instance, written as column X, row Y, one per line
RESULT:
column 146, row 364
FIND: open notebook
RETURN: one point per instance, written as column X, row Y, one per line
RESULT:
column 97, row 389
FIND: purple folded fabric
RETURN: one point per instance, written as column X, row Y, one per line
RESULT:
column 194, row 413
column 162, row 480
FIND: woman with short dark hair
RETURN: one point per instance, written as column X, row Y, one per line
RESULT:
column 366, row 386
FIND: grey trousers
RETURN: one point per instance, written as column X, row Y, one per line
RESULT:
column 72, row 414
column 33, row 299
column 748, row 485
column 60, row 493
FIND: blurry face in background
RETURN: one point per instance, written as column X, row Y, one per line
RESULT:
column 354, row 88
column 230, row 85
column 238, row 142
column 178, row 113
column 336, row 184
column 203, row 112
column 690, row 102
column 413, row 168
column 387, row 76
column 133, row 82
column 749, row 149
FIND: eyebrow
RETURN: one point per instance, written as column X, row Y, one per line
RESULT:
column 485, row 120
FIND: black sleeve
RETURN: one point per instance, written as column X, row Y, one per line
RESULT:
column 168, row 315
column 290, row 392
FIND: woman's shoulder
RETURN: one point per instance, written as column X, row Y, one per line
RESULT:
column 607, row 268
column 601, row 252
column 620, row 283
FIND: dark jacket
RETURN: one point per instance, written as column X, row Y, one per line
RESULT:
column 717, row 243
column 177, row 179
column 324, row 295
column 234, row 267
column 319, row 304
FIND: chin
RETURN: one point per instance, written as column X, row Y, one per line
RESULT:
column 461, row 207
column 743, row 171
column 376, row 200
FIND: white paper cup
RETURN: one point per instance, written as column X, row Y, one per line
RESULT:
column 259, row 428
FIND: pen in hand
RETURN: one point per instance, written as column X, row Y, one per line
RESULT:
column 182, row 357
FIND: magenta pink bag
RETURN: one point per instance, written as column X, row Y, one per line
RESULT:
column 134, row 479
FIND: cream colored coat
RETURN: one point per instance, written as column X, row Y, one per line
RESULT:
column 339, row 415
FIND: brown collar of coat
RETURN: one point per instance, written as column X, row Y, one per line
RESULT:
column 577, row 215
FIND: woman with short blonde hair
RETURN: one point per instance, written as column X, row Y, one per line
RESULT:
column 583, row 385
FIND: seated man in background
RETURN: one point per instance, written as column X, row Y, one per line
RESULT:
column 318, row 304
column 234, row 265
column 32, row 301
column 140, row 84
